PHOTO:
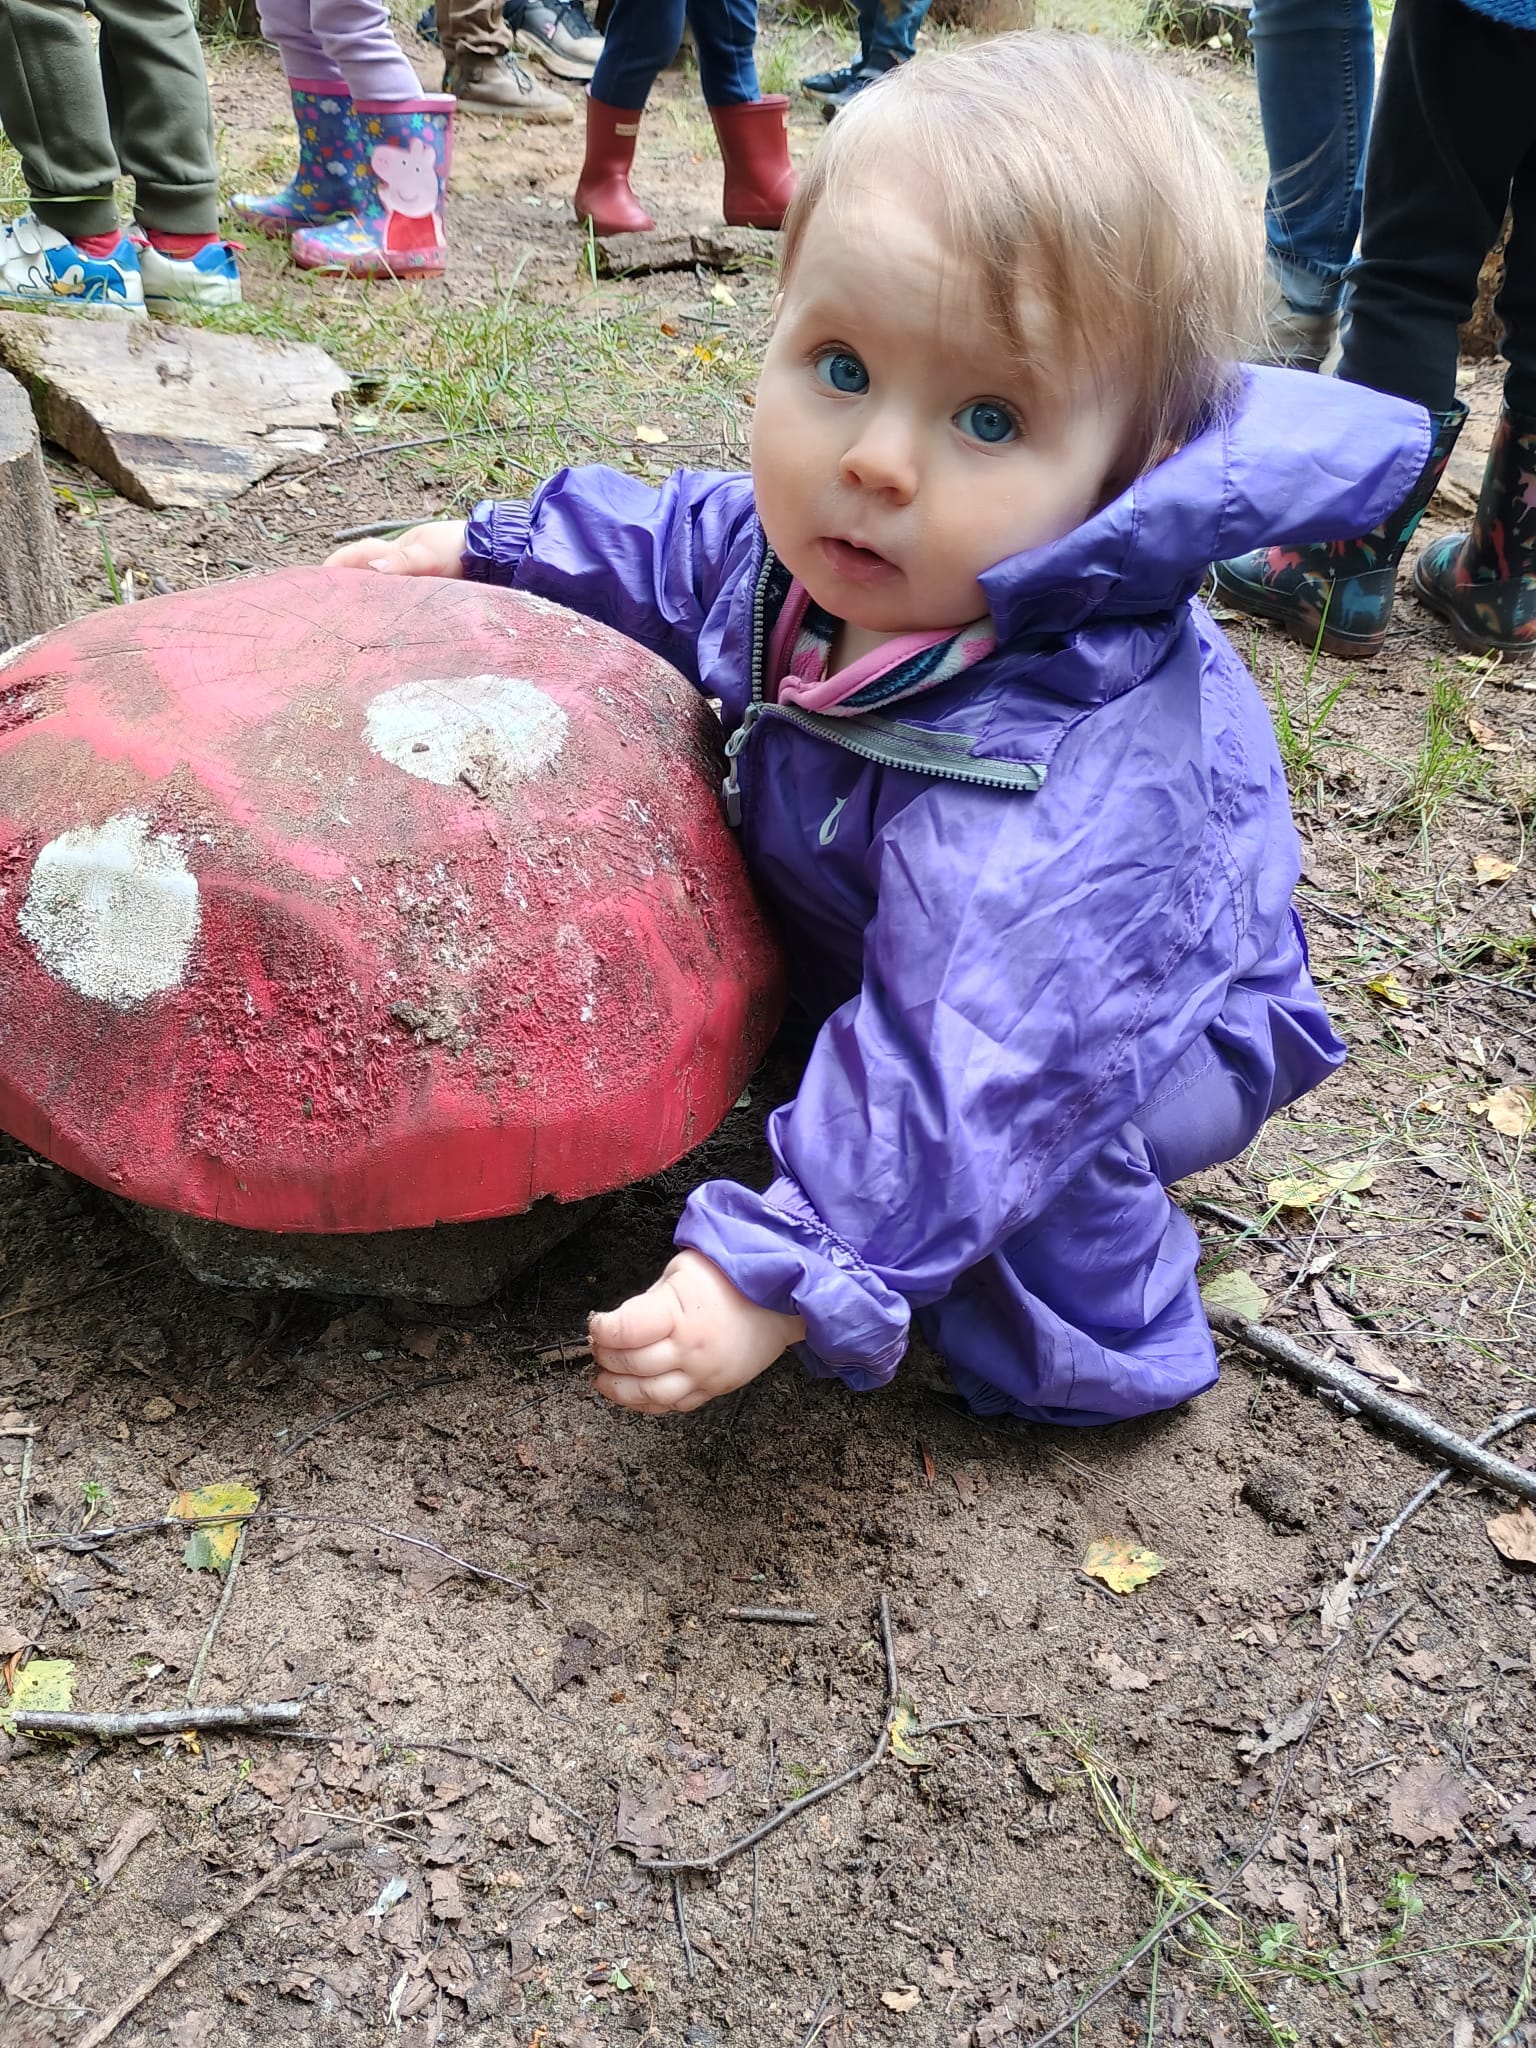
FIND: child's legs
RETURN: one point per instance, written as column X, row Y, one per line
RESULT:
column 1314, row 61
column 53, row 109
column 639, row 42
column 891, row 35
column 162, row 122
column 1517, row 299
column 725, row 37
column 1092, row 1314
column 1455, row 120
column 359, row 42
column 287, row 23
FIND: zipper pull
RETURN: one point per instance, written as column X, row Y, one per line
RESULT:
column 730, row 789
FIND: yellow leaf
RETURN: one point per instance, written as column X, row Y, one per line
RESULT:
column 1122, row 1566
column 901, row 1997
column 1386, row 988
column 903, row 1723
column 1509, row 1110
column 1238, row 1291
column 1344, row 1179
column 1487, row 867
column 210, row 1549
column 722, row 294
column 45, row 1686
column 652, row 437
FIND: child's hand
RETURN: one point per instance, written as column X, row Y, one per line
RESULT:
column 436, row 549
column 689, row 1338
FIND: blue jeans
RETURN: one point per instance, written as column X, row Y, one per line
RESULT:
column 888, row 31
column 1315, row 61
column 642, row 38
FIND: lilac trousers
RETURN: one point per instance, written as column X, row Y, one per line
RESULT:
column 340, row 42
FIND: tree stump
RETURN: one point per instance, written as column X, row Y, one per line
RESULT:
column 34, row 595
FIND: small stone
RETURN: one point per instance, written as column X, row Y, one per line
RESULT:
column 159, row 1409
column 1282, row 1492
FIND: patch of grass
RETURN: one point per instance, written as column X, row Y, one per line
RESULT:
column 1448, row 763
column 1301, row 719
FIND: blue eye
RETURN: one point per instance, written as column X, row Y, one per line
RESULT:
column 840, row 371
column 987, row 421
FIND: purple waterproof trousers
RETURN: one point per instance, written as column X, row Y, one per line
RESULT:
column 340, row 42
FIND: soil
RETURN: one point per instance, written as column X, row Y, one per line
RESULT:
column 562, row 1614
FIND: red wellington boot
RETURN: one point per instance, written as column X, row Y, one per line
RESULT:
column 603, row 196
column 759, row 179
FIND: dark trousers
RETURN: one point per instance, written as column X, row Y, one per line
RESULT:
column 642, row 37
column 79, row 112
column 1453, row 144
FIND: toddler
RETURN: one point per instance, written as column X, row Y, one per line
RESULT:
column 1017, row 803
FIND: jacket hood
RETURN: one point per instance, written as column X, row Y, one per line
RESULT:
column 1292, row 457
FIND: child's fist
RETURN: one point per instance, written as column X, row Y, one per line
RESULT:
column 686, row 1340
column 436, row 549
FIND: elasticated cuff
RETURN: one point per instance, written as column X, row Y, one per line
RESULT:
column 496, row 540
column 780, row 1253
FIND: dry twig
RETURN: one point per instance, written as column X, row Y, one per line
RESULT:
column 125, row 2008
column 1400, row 1416
column 715, row 1859
column 459, row 1749
column 789, row 1617
column 194, row 1683
column 1428, row 1491
column 158, row 1721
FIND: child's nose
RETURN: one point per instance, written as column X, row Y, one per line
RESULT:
column 884, row 459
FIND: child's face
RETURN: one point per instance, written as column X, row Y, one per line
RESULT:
column 897, row 451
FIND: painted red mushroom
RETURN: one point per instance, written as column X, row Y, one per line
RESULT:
column 337, row 904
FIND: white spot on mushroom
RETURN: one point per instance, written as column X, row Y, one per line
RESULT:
column 10, row 654
column 470, row 728
column 113, row 911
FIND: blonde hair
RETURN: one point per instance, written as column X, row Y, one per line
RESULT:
column 1108, row 228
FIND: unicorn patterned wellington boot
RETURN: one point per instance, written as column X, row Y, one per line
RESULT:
column 1483, row 583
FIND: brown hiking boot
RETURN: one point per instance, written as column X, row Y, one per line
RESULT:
column 500, row 85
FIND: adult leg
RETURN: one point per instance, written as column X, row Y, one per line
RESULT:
column 480, row 69
column 891, row 35
column 1314, row 61
column 53, row 109
column 725, row 37
column 640, row 41
column 1455, row 120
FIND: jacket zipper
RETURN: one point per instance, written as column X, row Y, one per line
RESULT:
column 887, row 742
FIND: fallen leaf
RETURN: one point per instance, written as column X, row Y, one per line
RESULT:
column 211, row 1549
column 651, row 437
column 1487, row 737
column 1427, row 1804
column 1363, row 1352
column 641, row 1822
column 194, row 2029
column 1123, row 1566
column 1236, row 1290
column 928, row 1465
column 139, row 1824
column 22, row 1935
column 1278, row 1734
column 585, row 1650
column 1344, row 1180
column 901, row 1997
column 1519, row 1824
column 903, row 1722
column 1386, row 988
column 444, row 1892
column 1511, row 1111
column 712, row 1781
column 1164, row 1805
column 158, row 1409
column 1488, row 868
column 1513, row 1536
column 45, row 1686
column 1117, row 1674
column 451, row 1969
column 1423, row 1667
column 544, row 1824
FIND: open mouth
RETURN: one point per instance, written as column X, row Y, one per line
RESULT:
column 857, row 564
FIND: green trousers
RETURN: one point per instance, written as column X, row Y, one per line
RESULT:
column 81, row 115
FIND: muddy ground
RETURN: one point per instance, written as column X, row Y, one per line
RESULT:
column 505, row 1717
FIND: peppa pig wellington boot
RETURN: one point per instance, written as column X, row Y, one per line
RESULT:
column 328, row 184
column 397, row 229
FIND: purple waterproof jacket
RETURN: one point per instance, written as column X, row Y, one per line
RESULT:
column 1042, row 918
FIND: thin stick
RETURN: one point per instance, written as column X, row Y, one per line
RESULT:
column 441, row 1379
column 752, row 1923
column 790, row 1617
column 32, row 1308
column 1234, row 1219
column 459, row 1749
column 1385, row 1408
column 125, row 2008
column 715, row 1859
column 23, row 1528
column 682, row 1925
column 30, row 1430
column 194, row 1683
column 1428, row 1491
column 161, row 1721
column 1341, row 1889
